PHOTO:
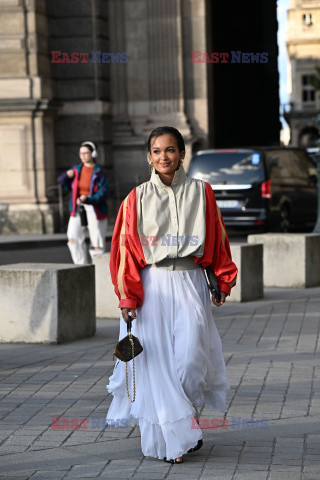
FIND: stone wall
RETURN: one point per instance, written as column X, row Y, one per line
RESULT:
column 27, row 160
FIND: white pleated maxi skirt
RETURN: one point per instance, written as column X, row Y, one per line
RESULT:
column 181, row 368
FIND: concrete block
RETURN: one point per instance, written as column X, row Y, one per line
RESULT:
column 106, row 300
column 249, row 260
column 46, row 303
column 290, row 259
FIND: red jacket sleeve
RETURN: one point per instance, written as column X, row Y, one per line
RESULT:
column 126, row 255
column 217, row 252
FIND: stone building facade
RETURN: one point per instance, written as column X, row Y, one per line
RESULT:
column 303, row 45
column 51, row 101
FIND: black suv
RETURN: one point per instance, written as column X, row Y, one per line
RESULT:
column 273, row 188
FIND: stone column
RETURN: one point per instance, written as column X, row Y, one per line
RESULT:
column 129, row 93
column 27, row 165
column 196, row 30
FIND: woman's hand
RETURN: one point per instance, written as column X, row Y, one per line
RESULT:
column 125, row 314
column 81, row 199
column 223, row 299
column 70, row 173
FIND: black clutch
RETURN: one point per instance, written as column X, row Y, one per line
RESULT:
column 213, row 283
column 127, row 349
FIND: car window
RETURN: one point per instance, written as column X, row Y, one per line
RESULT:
column 286, row 166
column 309, row 165
column 299, row 167
column 275, row 167
column 278, row 166
column 228, row 168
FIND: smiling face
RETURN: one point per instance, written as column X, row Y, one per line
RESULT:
column 165, row 156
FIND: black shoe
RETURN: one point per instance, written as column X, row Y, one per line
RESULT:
column 171, row 460
column 197, row 447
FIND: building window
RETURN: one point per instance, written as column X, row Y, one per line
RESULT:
column 307, row 19
column 308, row 91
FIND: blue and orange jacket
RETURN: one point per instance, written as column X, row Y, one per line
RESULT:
column 99, row 190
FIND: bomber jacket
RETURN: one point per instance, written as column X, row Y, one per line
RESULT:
column 156, row 221
column 99, row 190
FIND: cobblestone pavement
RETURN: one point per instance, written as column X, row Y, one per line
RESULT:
column 271, row 348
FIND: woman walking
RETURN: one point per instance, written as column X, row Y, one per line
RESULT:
column 90, row 189
column 167, row 231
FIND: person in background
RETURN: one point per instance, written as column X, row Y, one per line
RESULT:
column 89, row 187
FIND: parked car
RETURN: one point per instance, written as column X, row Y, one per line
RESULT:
column 273, row 188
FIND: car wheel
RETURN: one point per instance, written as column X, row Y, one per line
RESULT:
column 284, row 220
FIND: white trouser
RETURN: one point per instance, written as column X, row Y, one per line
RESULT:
column 97, row 233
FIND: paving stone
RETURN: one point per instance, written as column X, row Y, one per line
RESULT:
column 284, row 467
column 218, row 475
column 19, row 477
column 48, row 474
column 161, row 467
column 7, row 449
column 115, row 475
column 149, row 475
column 85, row 471
column 253, row 466
column 287, row 461
column 283, row 475
column 130, row 463
column 251, row 476
column 18, row 474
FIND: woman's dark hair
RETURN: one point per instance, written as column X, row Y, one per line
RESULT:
column 159, row 131
column 88, row 146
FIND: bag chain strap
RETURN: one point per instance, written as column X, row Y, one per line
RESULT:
column 133, row 373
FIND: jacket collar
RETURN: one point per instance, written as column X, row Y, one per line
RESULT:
column 179, row 177
column 96, row 168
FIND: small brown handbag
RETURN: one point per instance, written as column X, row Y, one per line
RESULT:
column 127, row 349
